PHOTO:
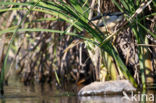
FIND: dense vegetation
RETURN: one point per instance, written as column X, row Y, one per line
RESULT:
column 50, row 40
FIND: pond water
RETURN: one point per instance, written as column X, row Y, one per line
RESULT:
column 16, row 92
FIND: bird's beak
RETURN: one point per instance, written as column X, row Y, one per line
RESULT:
column 96, row 18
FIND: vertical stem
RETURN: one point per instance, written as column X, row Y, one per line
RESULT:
column 142, row 68
column 1, row 81
column 123, row 68
column 2, row 43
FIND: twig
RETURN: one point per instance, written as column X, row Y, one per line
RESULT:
column 146, row 45
column 91, row 10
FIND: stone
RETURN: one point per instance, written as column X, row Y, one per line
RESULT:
column 107, row 87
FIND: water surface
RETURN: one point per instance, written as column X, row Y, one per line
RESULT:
column 16, row 92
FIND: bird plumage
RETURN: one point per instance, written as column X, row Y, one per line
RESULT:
column 107, row 21
column 124, row 41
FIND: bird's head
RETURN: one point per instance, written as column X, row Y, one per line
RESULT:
column 107, row 20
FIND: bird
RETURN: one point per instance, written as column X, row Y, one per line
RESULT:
column 124, row 41
column 108, row 21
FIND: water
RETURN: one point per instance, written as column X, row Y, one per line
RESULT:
column 16, row 92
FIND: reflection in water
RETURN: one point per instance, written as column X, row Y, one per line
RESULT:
column 22, row 94
column 104, row 99
column 143, row 97
column 18, row 93
column 40, row 100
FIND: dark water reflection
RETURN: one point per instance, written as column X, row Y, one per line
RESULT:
column 36, row 94
column 22, row 94
column 16, row 92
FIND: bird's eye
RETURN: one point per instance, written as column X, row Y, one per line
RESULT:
column 125, row 46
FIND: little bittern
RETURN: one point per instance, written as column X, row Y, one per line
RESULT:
column 108, row 21
column 124, row 41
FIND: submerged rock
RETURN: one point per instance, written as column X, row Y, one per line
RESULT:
column 108, row 87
